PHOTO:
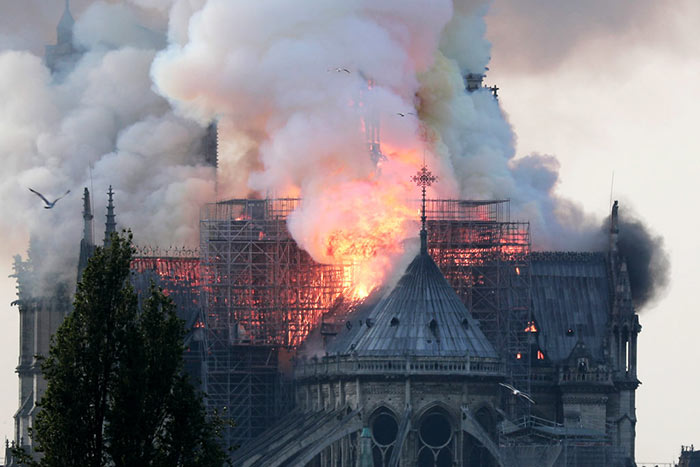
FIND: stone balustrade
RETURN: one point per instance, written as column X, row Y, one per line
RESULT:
column 349, row 366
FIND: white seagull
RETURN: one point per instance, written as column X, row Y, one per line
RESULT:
column 339, row 70
column 49, row 204
column 517, row 392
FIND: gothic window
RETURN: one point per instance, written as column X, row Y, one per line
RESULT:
column 385, row 430
column 435, row 440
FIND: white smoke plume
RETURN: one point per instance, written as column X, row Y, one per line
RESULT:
column 100, row 124
column 294, row 86
column 296, row 89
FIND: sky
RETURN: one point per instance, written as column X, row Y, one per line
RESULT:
column 607, row 87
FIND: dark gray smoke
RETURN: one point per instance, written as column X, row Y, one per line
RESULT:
column 647, row 259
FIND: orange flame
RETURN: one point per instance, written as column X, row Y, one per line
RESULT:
column 369, row 245
column 362, row 226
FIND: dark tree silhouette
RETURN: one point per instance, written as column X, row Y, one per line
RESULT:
column 116, row 393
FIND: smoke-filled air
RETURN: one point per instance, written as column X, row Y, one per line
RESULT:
column 339, row 103
column 97, row 125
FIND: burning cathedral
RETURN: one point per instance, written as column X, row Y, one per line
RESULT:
column 482, row 352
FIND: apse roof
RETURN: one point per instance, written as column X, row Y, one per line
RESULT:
column 421, row 316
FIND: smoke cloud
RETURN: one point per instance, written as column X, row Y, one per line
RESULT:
column 297, row 100
column 300, row 96
column 476, row 144
column 647, row 259
column 100, row 124
column 301, row 93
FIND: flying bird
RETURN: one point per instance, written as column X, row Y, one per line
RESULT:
column 403, row 114
column 517, row 392
column 339, row 70
column 49, row 204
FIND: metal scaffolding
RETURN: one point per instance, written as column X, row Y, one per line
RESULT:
column 485, row 257
column 179, row 274
column 262, row 293
column 263, row 289
column 536, row 441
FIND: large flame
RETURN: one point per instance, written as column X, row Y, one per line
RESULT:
column 360, row 224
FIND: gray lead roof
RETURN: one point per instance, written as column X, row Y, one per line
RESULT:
column 570, row 291
column 421, row 316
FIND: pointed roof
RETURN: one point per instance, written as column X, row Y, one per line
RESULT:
column 421, row 316
column 65, row 25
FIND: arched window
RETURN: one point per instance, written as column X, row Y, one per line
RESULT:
column 435, row 437
column 385, row 430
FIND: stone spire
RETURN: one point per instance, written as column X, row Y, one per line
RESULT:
column 65, row 26
column 87, row 244
column 63, row 56
column 110, row 225
column 614, row 231
column 87, row 218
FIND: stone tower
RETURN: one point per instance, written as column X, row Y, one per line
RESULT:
column 62, row 56
column 111, row 224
